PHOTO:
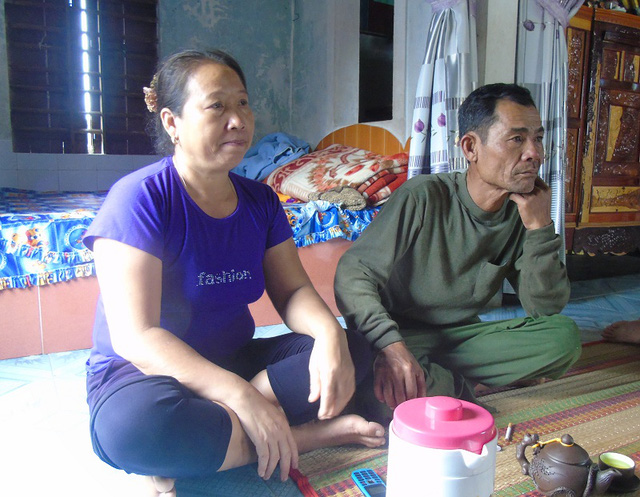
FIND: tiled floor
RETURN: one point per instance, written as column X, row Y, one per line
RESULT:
column 45, row 448
column 44, row 442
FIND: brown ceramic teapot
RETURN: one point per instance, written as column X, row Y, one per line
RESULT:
column 562, row 467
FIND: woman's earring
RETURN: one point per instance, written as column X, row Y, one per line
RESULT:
column 175, row 140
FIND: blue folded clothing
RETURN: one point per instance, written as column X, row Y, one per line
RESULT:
column 270, row 152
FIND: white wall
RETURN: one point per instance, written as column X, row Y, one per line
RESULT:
column 324, row 90
column 325, row 76
column 68, row 172
column 496, row 32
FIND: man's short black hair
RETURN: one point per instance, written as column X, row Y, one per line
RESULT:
column 477, row 112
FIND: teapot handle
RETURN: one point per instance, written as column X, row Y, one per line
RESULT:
column 527, row 441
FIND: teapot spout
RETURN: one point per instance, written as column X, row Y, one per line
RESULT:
column 604, row 479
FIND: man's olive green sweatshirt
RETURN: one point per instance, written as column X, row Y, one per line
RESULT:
column 433, row 258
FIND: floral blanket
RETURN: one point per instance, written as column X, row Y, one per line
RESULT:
column 339, row 166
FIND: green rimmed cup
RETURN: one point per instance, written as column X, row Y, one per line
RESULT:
column 624, row 464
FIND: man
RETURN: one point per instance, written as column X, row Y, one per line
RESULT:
column 439, row 250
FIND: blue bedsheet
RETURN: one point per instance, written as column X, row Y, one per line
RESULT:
column 41, row 232
column 319, row 221
column 41, row 236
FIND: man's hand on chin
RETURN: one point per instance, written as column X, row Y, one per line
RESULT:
column 534, row 207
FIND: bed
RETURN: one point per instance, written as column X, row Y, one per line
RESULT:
column 41, row 237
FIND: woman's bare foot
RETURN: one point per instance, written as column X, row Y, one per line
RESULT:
column 623, row 331
column 347, row 429
column 161, row 487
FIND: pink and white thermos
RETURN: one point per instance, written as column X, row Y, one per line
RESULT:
column 441, row 447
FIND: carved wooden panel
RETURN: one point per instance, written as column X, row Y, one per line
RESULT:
column 606, row 240
column 612, row 163
column 578, row 46
column 615, row 199
column 610, row 64
column 618, row 135
column 631, row 65
column 572, row 159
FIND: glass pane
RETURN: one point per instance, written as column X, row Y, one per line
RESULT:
column 376, row 61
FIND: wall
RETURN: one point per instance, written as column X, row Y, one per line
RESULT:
column 496, row 32
column 325, row 82
column 259, row 36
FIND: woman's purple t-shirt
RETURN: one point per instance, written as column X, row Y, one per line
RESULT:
column 211, row 268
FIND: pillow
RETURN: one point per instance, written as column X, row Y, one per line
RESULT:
column 332, row 167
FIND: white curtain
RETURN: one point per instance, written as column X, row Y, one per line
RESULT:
column 448, row 74
column 542, row 66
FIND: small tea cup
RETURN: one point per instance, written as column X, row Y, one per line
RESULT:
column 624, row 464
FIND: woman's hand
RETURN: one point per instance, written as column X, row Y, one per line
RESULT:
column 331, row 373
column 303, row 311
column 268, row 429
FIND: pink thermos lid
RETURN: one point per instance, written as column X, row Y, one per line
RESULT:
column 444, row 423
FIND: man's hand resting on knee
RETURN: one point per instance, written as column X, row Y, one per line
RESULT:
column 397, row 375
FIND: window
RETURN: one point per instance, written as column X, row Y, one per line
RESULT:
column 76, row 73
column 376, row 61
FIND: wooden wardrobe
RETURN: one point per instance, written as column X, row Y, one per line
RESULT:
column 603, row 139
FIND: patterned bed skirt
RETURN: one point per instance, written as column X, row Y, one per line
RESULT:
column 41, row 232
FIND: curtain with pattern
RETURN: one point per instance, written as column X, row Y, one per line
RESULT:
column 448, row 74
column 542, row 67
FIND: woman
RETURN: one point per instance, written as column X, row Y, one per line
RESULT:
column 176, row 385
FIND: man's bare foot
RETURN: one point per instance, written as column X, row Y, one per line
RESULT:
column 347, row 429
column 480, row 389
column 623, row 331
column 161, row 487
